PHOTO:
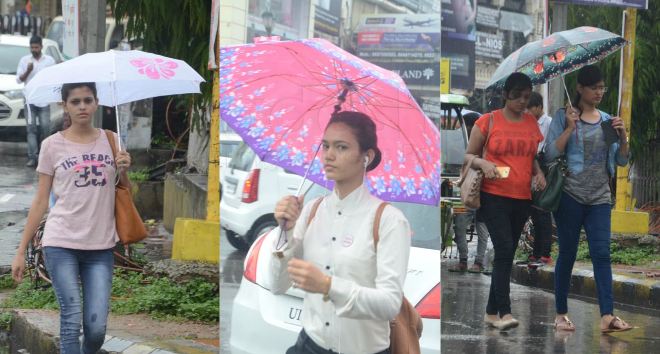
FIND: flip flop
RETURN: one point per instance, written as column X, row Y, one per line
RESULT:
column 613, row 328
column 565, row 325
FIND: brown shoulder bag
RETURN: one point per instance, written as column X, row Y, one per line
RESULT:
column 471, row 178
column 130, row 226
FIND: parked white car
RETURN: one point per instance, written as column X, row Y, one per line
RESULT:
column 12, row 103
column 257, row 313
column 229, row 143
column 250, row 190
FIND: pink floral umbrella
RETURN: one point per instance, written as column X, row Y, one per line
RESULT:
column 120, row 77
column 279, row 96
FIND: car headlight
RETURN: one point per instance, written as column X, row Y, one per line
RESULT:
column 14, row 94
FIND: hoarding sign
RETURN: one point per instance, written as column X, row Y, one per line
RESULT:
column 326, row 16
column 489, row 45
column 638, row 4
column 445, row 75
column 425, row 74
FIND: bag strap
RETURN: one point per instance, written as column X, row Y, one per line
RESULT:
column 490, row 128
column 315, row 207
column 379, row 214
column 111, row 139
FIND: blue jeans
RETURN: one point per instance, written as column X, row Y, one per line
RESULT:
column 37, row 133
column 94, row 269
column 596, row 219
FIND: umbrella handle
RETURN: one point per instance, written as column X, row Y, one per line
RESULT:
column 570, row 103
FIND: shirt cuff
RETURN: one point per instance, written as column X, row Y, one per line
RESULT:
column 340, row 290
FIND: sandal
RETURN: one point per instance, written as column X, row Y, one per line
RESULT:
column 564, row 325
column 616, row 325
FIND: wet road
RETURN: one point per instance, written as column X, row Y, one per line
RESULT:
column 17, row 182
column 18, row 185
column 464, row 298
column 231, row 273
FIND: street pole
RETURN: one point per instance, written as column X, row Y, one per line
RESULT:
column 624, row 219
column 559, row 23
column 623, row 186
column 213, row 185
column 92, row 35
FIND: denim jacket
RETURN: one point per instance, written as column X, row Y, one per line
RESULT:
column 574, row 150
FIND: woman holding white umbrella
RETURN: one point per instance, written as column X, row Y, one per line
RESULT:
column 77, row 164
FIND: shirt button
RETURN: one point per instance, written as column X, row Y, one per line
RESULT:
column 327, row 267
column 334, row 239
column 339, row 212
column 327, row 324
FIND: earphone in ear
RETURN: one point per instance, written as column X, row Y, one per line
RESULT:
column 366, row 161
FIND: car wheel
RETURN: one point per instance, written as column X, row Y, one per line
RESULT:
column 237, row 241
column 261, row 227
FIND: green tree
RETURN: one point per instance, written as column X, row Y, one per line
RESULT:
column 646, row 84
column 177, row 29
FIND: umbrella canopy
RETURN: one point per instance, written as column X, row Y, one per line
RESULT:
column 279, row 96
column 558, row 54
column 120, row 77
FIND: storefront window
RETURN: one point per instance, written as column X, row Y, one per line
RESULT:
column 287, row 13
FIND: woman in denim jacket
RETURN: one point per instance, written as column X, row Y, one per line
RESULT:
column 586, row 199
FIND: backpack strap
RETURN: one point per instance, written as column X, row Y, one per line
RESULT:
column 379, row 214
column 315, row 207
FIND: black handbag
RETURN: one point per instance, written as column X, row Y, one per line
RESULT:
column 555, row 175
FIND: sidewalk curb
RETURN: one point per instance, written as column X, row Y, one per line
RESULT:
column 36, row 338
column 627, row 290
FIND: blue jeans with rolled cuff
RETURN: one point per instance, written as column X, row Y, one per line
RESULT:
column 69, row 269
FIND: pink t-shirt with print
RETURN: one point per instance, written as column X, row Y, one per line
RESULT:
column 83, row 216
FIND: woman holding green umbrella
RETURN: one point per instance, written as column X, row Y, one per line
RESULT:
column 592, row 156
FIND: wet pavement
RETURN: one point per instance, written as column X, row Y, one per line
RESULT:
column 18, row 184
column 464, row 298
column 231, row 274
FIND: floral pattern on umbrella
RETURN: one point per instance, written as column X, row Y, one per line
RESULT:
column 279, row 97
column 558, row 54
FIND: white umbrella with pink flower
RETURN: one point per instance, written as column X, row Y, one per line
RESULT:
column 120, row 77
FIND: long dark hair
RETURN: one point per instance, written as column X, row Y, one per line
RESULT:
column 364, row 129
column 587, row 76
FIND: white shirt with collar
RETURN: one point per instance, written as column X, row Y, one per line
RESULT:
column 544, row 125
column 367, row 284
column 43, row 62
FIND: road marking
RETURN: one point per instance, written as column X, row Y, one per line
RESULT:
column 7, row 197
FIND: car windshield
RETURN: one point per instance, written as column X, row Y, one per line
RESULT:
column 11, row 55
column 424, row 219
column 242, row 158
column 228, row 148
column 452, row 145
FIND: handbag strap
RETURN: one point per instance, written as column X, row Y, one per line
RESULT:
column 490, row 127
column 111, row 139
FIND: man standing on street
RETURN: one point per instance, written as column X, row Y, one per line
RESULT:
column 542, row 220
column 38, row 125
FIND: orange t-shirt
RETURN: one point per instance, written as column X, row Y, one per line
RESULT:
column 512, row 144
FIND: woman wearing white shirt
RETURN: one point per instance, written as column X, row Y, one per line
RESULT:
column 353, row 287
